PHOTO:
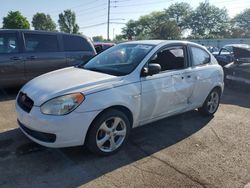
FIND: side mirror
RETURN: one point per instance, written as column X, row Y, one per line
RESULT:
column 152, row 69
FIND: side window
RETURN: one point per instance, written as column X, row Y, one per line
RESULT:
column 225, row 51
column 76, row 43
column 8, row 43
column 41, row 43
column 170, row 59
column 199, row 56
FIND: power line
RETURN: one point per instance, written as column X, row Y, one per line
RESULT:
column 132, row 12
column 86, row 7
column 142, row 4
column 119, row 1
column 99, row 24
column 94, row 25
column 90, row 11
column 91, row 19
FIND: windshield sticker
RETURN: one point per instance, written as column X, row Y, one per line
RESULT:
column 144, row 47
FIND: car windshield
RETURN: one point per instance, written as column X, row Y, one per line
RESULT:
column 119, row 60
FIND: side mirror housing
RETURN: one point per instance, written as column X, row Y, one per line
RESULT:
column 152, row 69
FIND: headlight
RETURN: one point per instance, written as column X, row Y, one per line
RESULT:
column 62, row 105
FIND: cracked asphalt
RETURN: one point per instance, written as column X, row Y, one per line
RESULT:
column 187, row 150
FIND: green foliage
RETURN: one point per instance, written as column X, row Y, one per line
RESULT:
column 67, row 22
column 151, row 26
column 119, row 38
column 168, row 30
column 15, row 20
column 180, row 13
column 241, row 24
column 98, row 38
column 129, row 31
column 208, row 20
column 42, row 21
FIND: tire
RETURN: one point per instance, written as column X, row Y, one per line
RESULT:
column 108, row 133
column 211, row 103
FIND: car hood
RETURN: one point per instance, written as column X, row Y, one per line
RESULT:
column 68, row 80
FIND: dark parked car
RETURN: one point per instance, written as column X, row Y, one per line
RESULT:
column 226, row 55
column 237, row 73
column 212, row 49
column 25, row 54
column 101, row 46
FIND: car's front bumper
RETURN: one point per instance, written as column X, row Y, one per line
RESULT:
column 55, row 131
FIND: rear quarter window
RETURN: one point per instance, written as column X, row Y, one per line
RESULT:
column 76, row 43
column 199, row 56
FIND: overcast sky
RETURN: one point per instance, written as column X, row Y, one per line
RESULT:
column 91, row 15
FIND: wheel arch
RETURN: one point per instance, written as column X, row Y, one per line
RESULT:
column 121, row 108
column 219, row 88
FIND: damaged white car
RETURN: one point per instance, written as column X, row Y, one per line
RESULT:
column 126, row 86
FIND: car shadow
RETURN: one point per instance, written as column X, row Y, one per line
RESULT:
column 27, row 164
column 240, row 98
column 7, row 94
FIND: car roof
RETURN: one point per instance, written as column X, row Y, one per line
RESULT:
column 163, row 42
column 44, row 32
column 104, row 43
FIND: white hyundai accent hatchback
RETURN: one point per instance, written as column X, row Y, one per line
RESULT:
column 126, row 86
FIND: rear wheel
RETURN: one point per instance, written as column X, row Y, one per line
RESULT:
column 108, row 133
column 211, row 103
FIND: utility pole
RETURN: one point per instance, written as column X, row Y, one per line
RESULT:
column 108, row 19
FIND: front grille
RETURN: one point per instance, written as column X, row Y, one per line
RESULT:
column 44, row 137
column 25, row 102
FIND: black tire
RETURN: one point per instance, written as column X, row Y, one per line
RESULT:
column 91, row 140
column 204, row 110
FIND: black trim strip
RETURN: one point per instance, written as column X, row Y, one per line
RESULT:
column 44, row 137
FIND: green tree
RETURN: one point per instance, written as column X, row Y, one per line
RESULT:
column 148, row 23
column 208, row 20
column 129, row 31
column 144, row 27
column 168, row 30
column 98, row 38
column 67, row 22
column 15, row 20
column 119, row 38
column 42, row 21
column 241, row 24
column 180, row 13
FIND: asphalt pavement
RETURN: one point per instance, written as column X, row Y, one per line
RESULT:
column 187, row 150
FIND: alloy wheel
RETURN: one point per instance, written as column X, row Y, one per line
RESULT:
column 213, row 102
column 111, row 134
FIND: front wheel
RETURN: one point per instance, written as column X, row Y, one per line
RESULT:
column 108, row 133
column 211, row 103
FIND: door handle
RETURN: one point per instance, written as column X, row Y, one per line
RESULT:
column 15, row 58
column 31, row 57
column 188, row 76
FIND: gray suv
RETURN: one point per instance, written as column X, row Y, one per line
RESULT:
column 25, row 54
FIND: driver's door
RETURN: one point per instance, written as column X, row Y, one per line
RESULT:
column 167, row 92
